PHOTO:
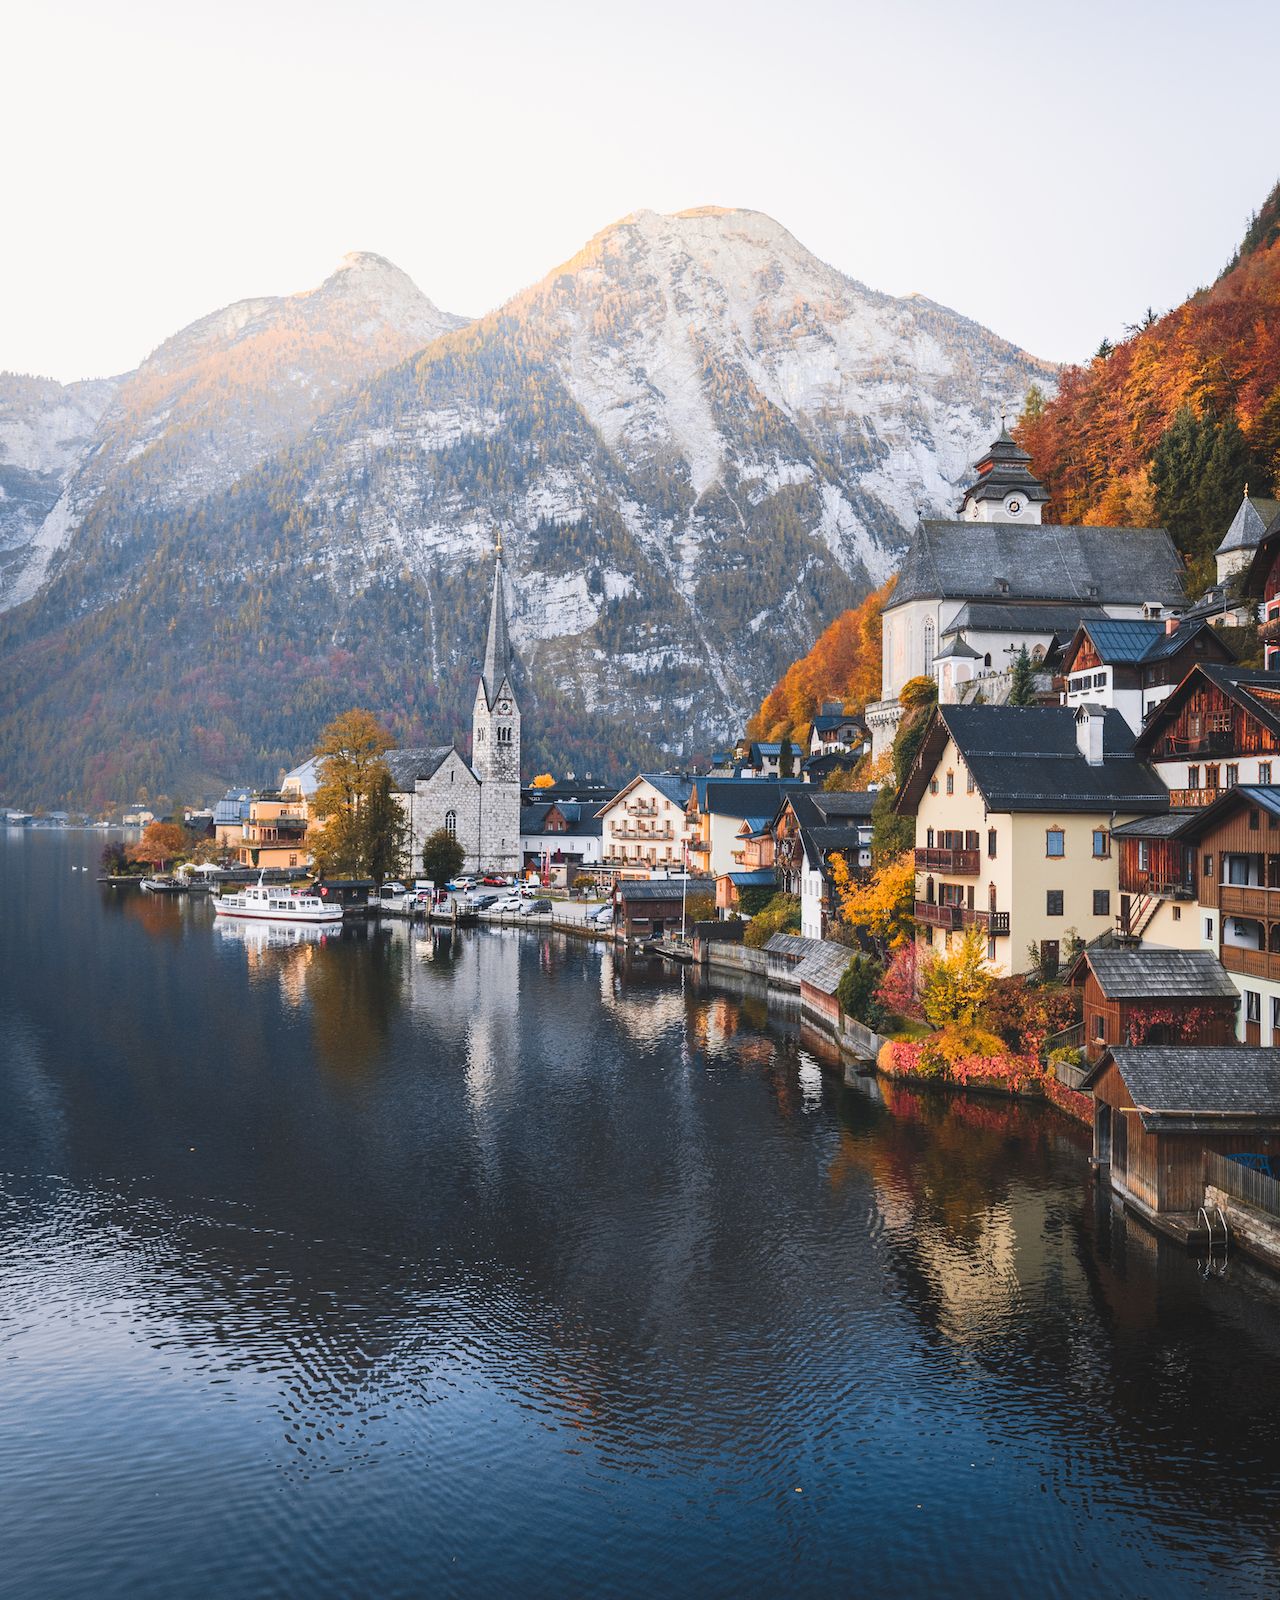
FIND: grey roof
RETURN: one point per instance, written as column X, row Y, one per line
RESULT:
column 1157, row 974
column 497, row 644
column 411, row 766
column 1249, row 524
column 1025, row 758
column 1166, row 825
column 748, row 797
column 989, row 616
column 651, row 889
column 844, row 802
column 837, row 809
column 1223, row 1088
column 793, row 946
column 1122, row 641
column 823, row 968
column 956, row 646
column 581, row 821
column 817, row 842
column 1238, row 683
column 758, row 878
column 307, row 776
column 971, row 560
column 1004, row 469
column 826, row 722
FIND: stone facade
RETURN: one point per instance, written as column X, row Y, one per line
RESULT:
column 449, row 799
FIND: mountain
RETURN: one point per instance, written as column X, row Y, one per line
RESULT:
column 45, row 431
column 698, row 442
column 224, row 394
column 1168, row 426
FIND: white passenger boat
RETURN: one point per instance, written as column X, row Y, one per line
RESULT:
column 274, row 902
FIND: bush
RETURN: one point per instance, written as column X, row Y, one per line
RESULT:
column 858, row 991
column 781, row 915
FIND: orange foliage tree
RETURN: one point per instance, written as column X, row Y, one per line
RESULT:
column 844, row 664
column 162, row 842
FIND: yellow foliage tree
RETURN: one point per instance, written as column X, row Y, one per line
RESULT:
column 544, row 780
column 956, row 985
column 881, row 906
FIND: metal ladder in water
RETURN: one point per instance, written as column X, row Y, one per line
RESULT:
column 1211, row 1267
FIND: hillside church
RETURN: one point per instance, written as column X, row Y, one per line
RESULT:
column 478, row 803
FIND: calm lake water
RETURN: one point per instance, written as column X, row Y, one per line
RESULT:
column 408, row 1264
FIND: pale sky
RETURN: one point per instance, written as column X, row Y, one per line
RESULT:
column 1047, row 170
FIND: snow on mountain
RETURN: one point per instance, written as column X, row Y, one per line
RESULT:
column 225, row 393
column 698, row 441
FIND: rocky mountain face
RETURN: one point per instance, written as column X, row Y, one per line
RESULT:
column 697, row 441
column 224, row 394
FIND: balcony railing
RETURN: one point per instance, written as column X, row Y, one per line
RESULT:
column 996, row 923
column 644, row 834
column 1240, row 900
column 938, row 916
column 1214, row 743
column 1188, row 799
column 1253, row 963
column 1269, row 631
column 964, row 863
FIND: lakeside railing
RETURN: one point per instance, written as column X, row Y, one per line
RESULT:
column 1246, row 1184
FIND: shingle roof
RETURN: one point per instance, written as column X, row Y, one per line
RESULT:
column 1157, row 974
column 956, row 646
column 988, row 616
column 844, row 802
column 825, row 723
column 410, row 766
column 747, row 797
column 1249, row 524
column 1166, row 825
column 1025, row 758
column 823, row 968
column 651, row 889
column 791, row 946
column 969, row 561
column 1199, row 1087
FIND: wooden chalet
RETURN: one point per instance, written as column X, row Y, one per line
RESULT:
column 1153, row 996
column 1134, row 664
column 1219, row 727
column 1159, row 1108
column 1262, row 584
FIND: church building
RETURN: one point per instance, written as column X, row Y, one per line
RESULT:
column 478, row 802
column 973, row 591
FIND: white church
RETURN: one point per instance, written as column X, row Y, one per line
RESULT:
column 477, row 802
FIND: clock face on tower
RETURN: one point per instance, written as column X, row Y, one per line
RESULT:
column 1013, row 507
column 504, row 706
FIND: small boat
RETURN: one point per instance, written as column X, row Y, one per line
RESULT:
column 163, row 886
column 273, row 902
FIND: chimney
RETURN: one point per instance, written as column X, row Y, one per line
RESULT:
column 1170, row 625
column 1089, row 724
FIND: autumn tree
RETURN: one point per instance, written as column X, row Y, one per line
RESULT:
column 161, row 842
column 544, row 780
column 957, row 984
column 879, row 907
column 442, row 857
column 351, row 751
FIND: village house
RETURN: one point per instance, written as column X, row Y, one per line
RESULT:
column 1250, row 525
column 808, row 830
column 1219, row 727
column 229, row 817
column 558, row 838
column 715, row 810
column 650, row 908
column 1153, row 996
column 1159, row 1108
column 1014, row 812
column 834, row 729
column 1133, row 665
column 274, row 833
column 645, row 824
column 1002, row 580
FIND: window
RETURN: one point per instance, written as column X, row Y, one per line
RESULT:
column 1144, row 855
column 1252, row 1006
column 1177, row 913
column 1238, row 871
column 928, row 838
column 1275, row 1016
column 1055, row 842
column 1193, row 777
column 1053, row 903
column 1102, row 902
column 1211, row 775
column 1208, row 863
column 451, row 824
column 951, row 783
column 1264, row 772
column 1100, row 1027
column 991, row 843
column 970, row 785
column 1253, row 821
column 1101, row 844
column 928, row 646
column 1233, row 774
column 933, row 786
column 504, row 734
column 1208, row 930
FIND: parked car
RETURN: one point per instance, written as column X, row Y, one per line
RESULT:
column 603, row 913
column 486, row 902
column 536, row 908
column 511, row 902
column 495, row 880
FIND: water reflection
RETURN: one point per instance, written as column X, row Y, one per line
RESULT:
column 417, row 1260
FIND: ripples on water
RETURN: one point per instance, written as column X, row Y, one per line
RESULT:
column 398, row 1264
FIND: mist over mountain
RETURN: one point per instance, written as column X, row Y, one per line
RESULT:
column 698, row 442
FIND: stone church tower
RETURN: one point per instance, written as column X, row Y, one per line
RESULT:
column 495, row 742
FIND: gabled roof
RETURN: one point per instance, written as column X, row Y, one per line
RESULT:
column 651, row 889
column 1106, row 566
column 747, row 797
column 1126, row 641
column 818, row 843
column 990, row 616
column 835, row 803
column 1165, row 825
column 306, row 777
column 826, row 723
column 1025, row 758
column 823, row 968
column 411, row 766
column 1249, row 524
column 1198, row 1088
column 1254, row 690
column 670, row 785
column 1156, row 974
column 1265, row 797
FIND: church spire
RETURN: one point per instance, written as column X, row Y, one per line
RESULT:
column 497, row 647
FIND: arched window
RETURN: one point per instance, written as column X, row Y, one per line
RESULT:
column 451, row 824
column 928, row 645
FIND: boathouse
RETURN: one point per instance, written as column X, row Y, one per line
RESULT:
column 650, row 907
column 1159, row 1108
column 1153, row 996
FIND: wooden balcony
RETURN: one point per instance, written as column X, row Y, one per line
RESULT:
column 996, row 923
column 1237, row 900
column 1269, row 631
column 962, row 863
column 937, row 916
column 1188, row 799
column 1252, row 963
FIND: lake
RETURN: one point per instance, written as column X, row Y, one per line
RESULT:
column 394, row 1262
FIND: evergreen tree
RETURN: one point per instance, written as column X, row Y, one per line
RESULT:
column 442, row 857
column 1199, row 471
column 786, row 762
column 1033, row 405
column 385, row 830
column 1022, row 691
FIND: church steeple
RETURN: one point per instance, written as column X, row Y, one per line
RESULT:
column 1005, row 490
column 497, row 647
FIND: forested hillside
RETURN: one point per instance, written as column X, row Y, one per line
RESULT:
column 1167, row 427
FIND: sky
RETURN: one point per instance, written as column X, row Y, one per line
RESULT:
column 1049, row 170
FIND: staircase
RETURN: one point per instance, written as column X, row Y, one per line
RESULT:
column 1142, row 908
